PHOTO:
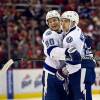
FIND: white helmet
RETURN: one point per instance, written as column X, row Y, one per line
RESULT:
column 51, row 14
column 71, row 15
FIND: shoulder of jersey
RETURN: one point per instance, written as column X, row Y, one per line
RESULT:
column 76, row 33
column 49, row 33
column 73, row 35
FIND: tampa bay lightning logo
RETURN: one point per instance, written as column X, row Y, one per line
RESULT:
column 48, row 33
column 69, row 39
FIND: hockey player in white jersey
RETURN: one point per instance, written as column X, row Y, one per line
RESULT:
column 53, row 88
column 75, row 38
column 85, row 77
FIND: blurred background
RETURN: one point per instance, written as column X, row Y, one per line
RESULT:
column 22, row 23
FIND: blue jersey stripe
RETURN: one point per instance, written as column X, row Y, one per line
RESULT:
column 49, row 68
column 50, row 49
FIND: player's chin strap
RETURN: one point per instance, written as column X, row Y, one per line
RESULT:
column 69, row 27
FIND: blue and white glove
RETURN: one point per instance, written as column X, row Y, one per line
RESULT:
column 74, row 56
column 62, row 73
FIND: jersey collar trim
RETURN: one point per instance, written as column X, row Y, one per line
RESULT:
column 71, row 30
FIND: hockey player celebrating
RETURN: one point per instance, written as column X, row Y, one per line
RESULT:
column 85, row 77
column 75, row 38
column 53, row 88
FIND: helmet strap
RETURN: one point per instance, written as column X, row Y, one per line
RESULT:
column 70, row 26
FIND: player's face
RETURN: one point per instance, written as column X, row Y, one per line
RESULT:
column 54, row 24
column 65, row 24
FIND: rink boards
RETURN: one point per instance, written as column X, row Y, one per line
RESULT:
column 28, row 83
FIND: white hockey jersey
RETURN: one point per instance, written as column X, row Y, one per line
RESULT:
column 51, row 39
column 56, row 44
column 74, row 38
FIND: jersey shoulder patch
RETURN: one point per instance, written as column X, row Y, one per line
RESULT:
column 69, row 39
column 48, row 32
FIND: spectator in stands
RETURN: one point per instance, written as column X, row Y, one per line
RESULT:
column 24, row 27
column 3, row 54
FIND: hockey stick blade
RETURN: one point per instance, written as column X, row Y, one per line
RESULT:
column 7, row 65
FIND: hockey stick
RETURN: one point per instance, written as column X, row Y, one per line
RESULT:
column 27, row 59
column 7, row 65
column 34, row 59
column 11, row 61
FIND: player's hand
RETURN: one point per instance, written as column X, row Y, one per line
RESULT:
column 62, row 74
column 69, row 52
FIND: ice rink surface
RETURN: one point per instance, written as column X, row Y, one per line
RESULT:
column 95, row 97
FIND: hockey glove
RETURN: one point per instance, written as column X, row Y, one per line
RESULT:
column 62, row 74
column 74, row 58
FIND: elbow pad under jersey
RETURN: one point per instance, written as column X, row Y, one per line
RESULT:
column 70, row 55
column 56, row 53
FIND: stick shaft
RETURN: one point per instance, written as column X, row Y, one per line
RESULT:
column 33, row 59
